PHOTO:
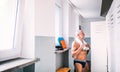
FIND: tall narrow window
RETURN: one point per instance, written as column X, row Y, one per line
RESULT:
column 7, row 23
column 8, row 18
column 58, row 21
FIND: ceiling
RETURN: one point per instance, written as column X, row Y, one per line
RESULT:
column 89, row 9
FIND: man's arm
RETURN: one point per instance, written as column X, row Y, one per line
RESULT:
column 75, row 51
column 87, row 45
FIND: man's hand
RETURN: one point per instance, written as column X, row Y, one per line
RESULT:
column 87, row 45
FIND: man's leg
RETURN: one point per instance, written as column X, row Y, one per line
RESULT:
column 86, row 68
column 78, row 67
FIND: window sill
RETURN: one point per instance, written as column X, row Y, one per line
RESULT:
column 16, row 64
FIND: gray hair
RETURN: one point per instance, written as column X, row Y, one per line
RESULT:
column 80, row 31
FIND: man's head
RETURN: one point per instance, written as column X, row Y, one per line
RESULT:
column 81, row 34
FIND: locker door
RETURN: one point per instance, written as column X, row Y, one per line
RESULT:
column 98, row 47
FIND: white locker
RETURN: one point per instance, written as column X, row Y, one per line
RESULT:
column 113, row 22
column 98, row 46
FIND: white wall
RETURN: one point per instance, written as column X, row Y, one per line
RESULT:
column 66, row 20
column 75, row 19
column 45, row 35
column 45, row 17
column 86, row 27
column 71, row 22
